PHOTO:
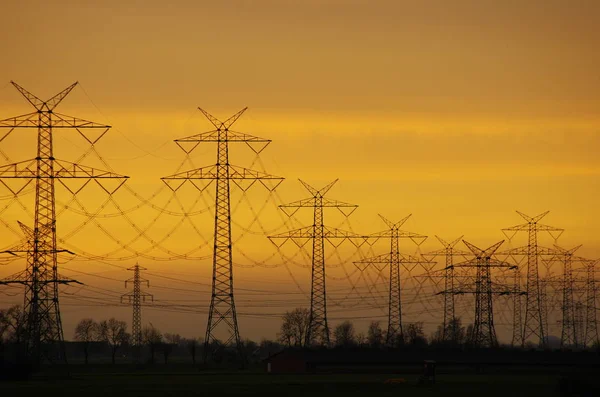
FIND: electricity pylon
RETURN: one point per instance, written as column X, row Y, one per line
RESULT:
column 318, row 329
column 222, row 304
column 449, row 252
column 517, row 332
column 591, row 324
column 136, row 297
column 484, row 332
column 535, row 321
column 41, row 277
column 579, row 323
column 568, row 334
column 393, row 259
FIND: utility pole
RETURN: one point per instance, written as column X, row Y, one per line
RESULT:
column 222, row 305
column 136, row 297
column 41, row 278
column 535, row 321
column 318, row 329
column 393, row 259
column 449, row 252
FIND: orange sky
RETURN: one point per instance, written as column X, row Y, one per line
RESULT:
column 459, row 114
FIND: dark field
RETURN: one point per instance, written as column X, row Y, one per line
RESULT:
column 110, row 381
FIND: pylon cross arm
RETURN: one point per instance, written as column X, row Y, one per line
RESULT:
column 525, row 251
column 216, row 136
column 29, row 120
column 211, row 172
column 64, row 121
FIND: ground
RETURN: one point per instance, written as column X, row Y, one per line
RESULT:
column 115, row 381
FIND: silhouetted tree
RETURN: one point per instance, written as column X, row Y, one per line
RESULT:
column 414, row 335
column 192, row 347
column 375, row 334
column 361, row 339
column 343, row 334
column 171, row 341
column 86, row 332
column 455, row 333
column 114, row 333
column 269, row 347
column 12, row 324
column 152, row 337
column 294, row 327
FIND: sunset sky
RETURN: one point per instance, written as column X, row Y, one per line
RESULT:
column 457, row 112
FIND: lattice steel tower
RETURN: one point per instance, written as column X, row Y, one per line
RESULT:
column 393, row 259
column 535, row 322
column 41, row 277
column 136, row 297
column 318, row 329
column 449, row 252
column 484, row 332
column 568, row 334
column 591, row 324
column 222, row 305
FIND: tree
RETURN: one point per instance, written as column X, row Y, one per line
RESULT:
column 114, row 333
column 455, row 333
column 415, row 335
column 375, row 334
column 86, row 332
column 192, row 347
column 171, row 341
column 361, row 339
column 152, row 337
column 343, row 334
column 12, row 324
column 294, row 327
column 269, row 347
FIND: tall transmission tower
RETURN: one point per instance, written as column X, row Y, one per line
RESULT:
column 517, row 332
column 591, row 324
column 222, row 305
column 579, row 323
column 568, row 334
column 535, row 323
column 136, row 297
column 41, row 278
column 318, row 328
column 393, row 260
column 484, row 332
column 449, row 252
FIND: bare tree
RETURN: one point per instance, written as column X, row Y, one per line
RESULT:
column 375, row 334
column 114, row 333
column 86, row 332
column 344, row 334
column 415, row 335
column 455, row 333
column 170, row 342
column 192, row 347
column 294, row 327
column 152, row 337
column 12, row 324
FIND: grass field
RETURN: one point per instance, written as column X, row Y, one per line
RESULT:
column 90, row 382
